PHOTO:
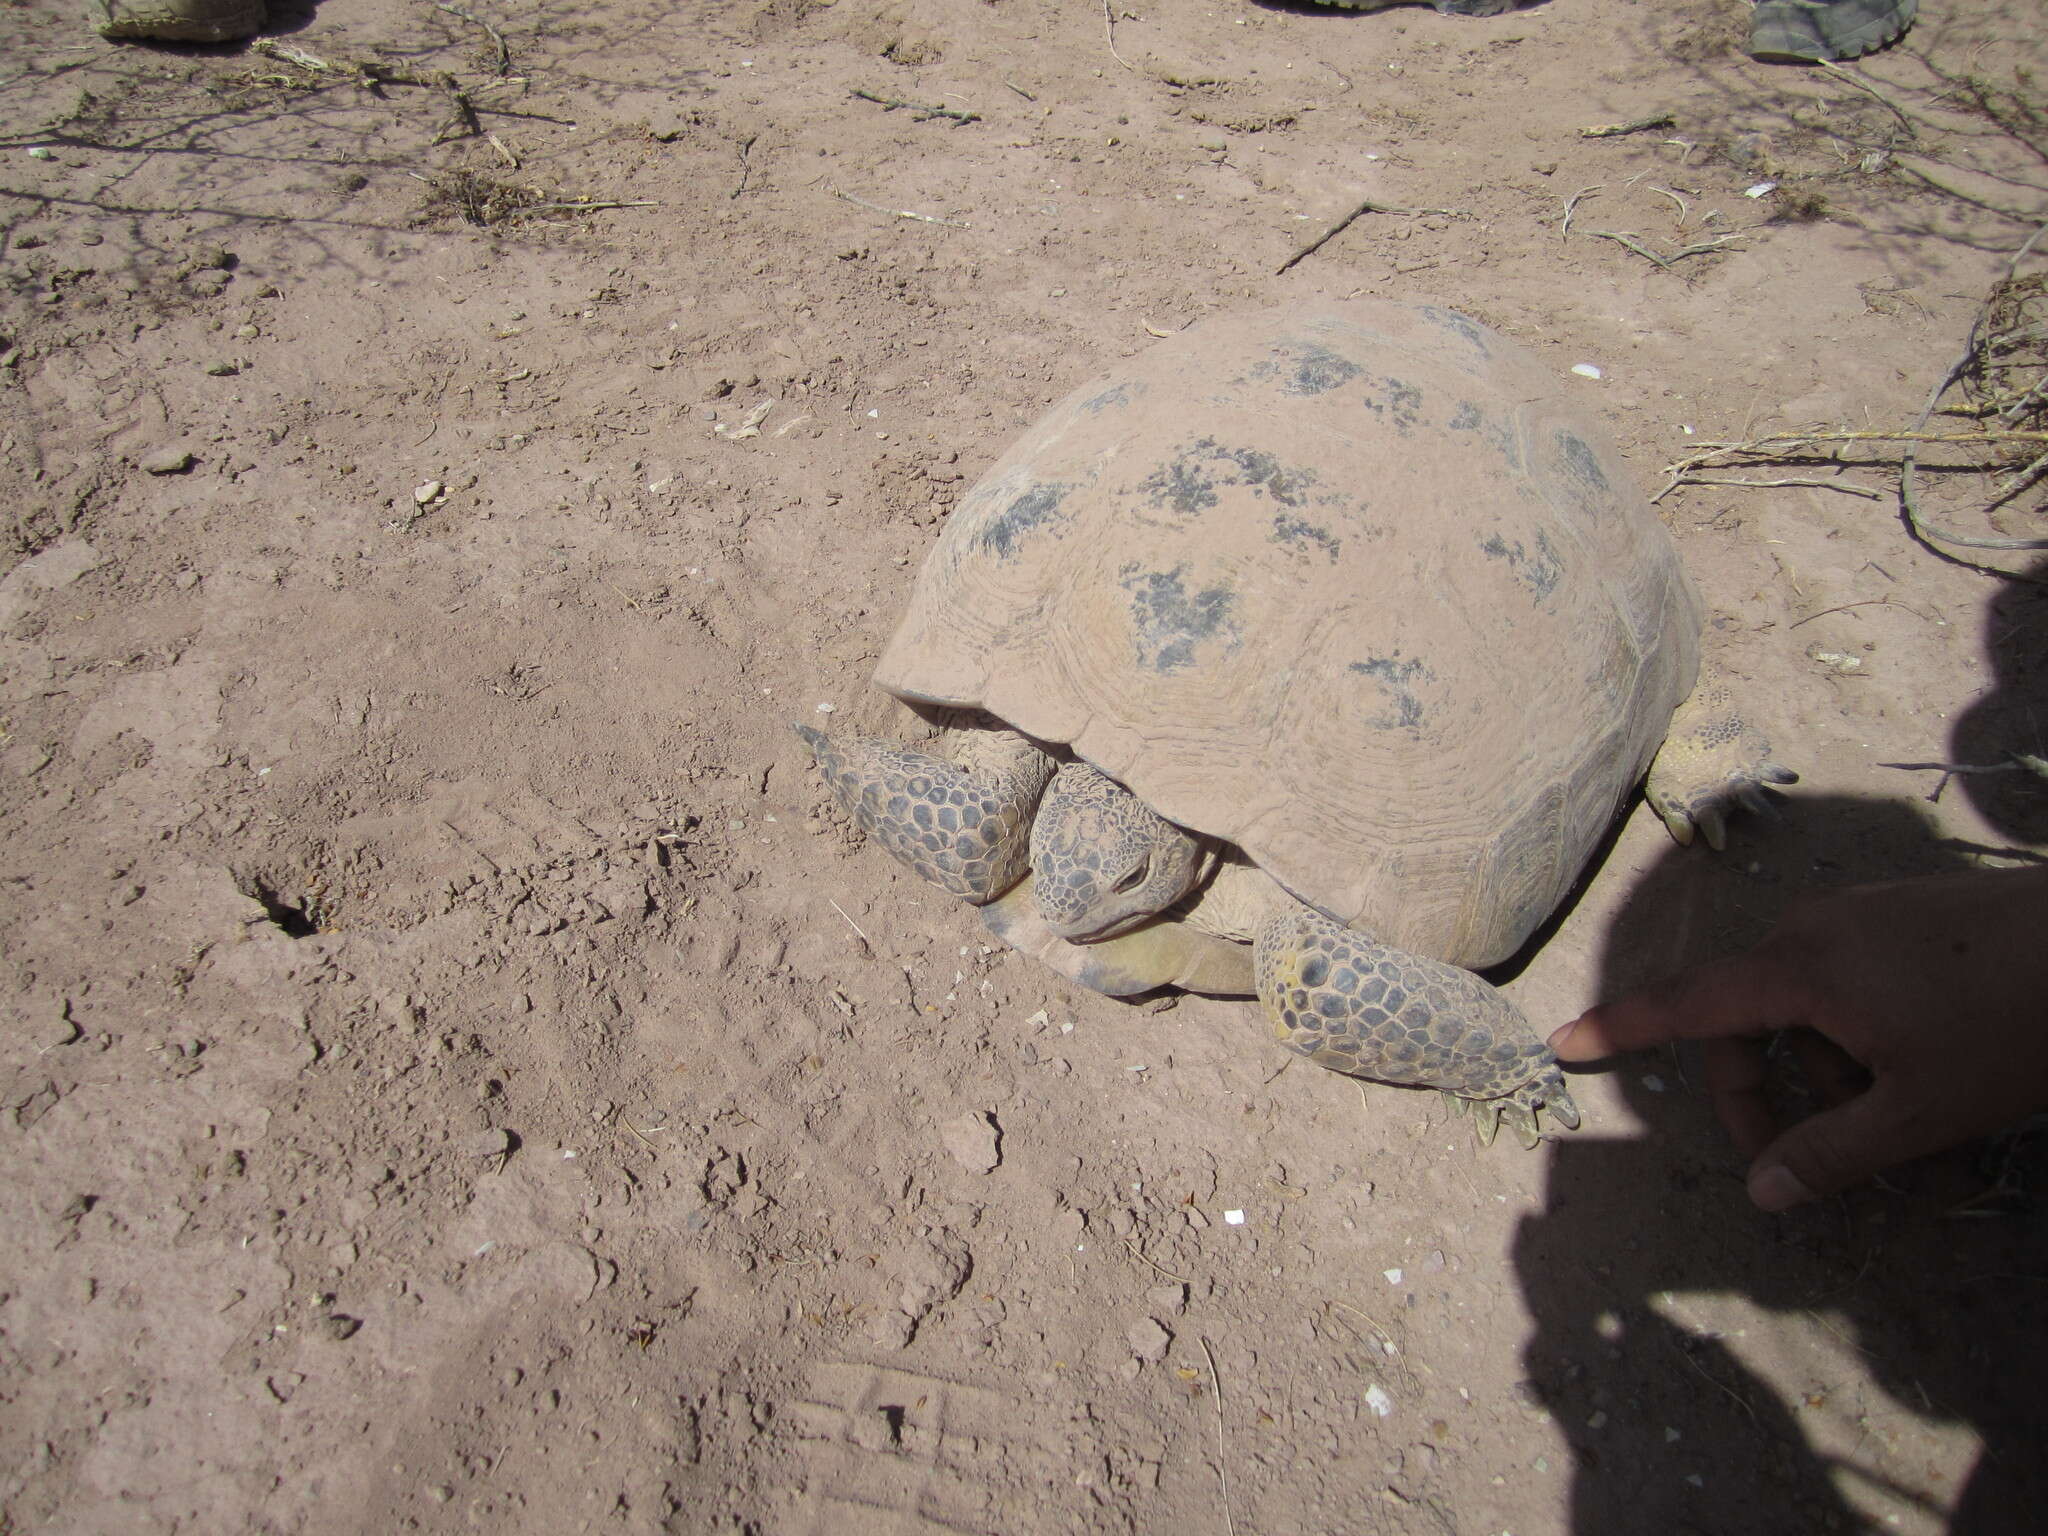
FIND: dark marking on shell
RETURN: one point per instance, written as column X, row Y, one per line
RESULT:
column 1118, row 394
column 1300, row 534
column 1030, row 509
column 1495, row 433
column 1538, row 571
column 1172, row 623
column 1308, row 368
column 1394, row 674
column 1582, row 464
column 1188, row 483
column 1181, row 486
column 1465, row 330
column 1403, row 403
column 1263, row 471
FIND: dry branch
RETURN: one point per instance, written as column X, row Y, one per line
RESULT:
column 924, row 113
column 1338, row 228
column 1636, row 125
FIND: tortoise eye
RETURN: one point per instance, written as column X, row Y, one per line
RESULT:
column 1134, row 879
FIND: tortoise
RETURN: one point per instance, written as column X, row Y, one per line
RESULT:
column 1310, row 653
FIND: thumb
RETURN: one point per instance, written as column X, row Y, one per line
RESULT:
column 1830, row 1151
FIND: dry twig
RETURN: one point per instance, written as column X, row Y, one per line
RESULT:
column 1109, row 33
column 1222, row 1473
column 1973, row 347
column 901, row 213
column 1634, row 243
column 1636, row 125
column 504, row 53
column 1849, row 486
column 923, row 113
column 1338, row 228
column 1571, row 204
column 1862, row 84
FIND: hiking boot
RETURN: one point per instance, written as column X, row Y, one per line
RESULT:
column 1806, row 31
column 1447, row 7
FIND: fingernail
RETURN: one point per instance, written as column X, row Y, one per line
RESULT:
column 1777, row 1188
column 1562, row 1034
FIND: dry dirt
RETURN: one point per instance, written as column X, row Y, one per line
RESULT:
column 460, row 1072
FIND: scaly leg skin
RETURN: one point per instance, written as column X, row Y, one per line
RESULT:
column 1357, row 1006
column 1711, row 763
column 965, row 826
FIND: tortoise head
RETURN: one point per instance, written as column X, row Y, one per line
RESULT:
column 1103, row 861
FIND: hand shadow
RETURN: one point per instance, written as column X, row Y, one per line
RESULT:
column 1948, row 1316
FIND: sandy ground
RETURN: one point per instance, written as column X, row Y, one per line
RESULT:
column 461, row 1072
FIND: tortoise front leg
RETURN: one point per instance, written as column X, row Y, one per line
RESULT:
column 964, row 825
column 1357, row 1006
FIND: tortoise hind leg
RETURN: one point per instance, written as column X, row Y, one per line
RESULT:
column 964, row 825
column 1352, row 1004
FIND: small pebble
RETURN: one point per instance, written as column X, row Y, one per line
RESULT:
column 1149, row 1340
column 171, row 460
column 1585, row 370
column 973, row 1140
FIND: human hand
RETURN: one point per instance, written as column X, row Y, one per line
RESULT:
column 1921, row 1017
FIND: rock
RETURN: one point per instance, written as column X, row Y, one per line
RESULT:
column 496, row 1142
column 932, row 1270
column 1149, row 1340
column 172, row 459
column 974, row 1141
column 1167, row 1298
column 890, row 1330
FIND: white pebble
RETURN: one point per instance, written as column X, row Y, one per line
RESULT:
column 1585, row 370
column 1233, row 1218
column 1393, row 1276
column 1377, row 1400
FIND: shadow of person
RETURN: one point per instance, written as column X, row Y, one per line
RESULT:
column 1637, row 1269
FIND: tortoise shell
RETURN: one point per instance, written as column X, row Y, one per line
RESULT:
column 1347, row 586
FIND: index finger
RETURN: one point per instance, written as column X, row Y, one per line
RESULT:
column 1746, row 994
